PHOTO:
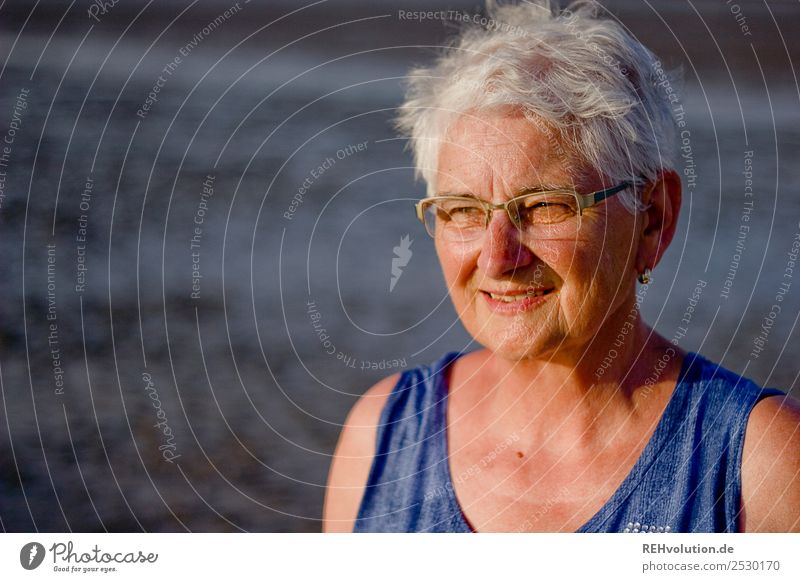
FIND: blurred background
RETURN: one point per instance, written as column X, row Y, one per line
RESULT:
column 200, row 203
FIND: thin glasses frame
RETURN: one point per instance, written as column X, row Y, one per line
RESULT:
column 583, row 201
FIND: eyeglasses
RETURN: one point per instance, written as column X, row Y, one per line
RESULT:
column 550, row 213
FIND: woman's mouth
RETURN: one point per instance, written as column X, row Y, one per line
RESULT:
column 513, row 301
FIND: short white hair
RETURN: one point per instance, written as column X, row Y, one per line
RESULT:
column 581, row 76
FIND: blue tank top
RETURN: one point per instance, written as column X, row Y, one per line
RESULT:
column 687, row 479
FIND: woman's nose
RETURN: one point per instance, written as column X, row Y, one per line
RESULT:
column 502, row 247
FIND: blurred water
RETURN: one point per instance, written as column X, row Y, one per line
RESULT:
column 251, row 395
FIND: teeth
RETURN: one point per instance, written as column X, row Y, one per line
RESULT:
column 512, row 298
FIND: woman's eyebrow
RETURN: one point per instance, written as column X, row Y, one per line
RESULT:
column 550, row 186
column 546, row 187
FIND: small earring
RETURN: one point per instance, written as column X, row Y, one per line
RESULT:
column 644, row 276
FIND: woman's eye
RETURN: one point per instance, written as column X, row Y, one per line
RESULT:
column 548, row 212
column 460, row 213
column 553, row 206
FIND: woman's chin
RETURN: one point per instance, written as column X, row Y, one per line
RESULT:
column 516, row 340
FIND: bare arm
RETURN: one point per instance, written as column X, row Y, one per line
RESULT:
column 352, row 459
column 771, row 468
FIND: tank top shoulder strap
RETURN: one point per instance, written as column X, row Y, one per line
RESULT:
column 412, row 409
column 688, row 478
column 726, row 399
column 408, row 487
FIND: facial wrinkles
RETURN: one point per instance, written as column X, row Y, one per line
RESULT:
column 494, row 161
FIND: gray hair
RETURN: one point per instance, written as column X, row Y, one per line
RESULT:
column 581, row 78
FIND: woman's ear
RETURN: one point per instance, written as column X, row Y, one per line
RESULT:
column 660, row 220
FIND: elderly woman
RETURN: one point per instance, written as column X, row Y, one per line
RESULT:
column 547, row 144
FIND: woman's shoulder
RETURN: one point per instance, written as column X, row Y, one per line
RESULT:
column 409, row 394
column 393, row 399
column 353, row 457
column 391, row 402
column 771, row 467
column 770, row 451
column 411, row 383
column 721, row 397
column 368, row 407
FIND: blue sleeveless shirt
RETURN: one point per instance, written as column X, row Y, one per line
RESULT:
column 687, row 479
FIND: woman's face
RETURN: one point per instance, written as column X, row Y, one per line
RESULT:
column 579, row 280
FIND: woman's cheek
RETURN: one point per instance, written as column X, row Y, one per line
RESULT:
column 557, row 255
column 457, row 261
column 460, row 252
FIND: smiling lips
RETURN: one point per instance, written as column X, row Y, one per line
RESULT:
column 515, row 295
column 514, row 300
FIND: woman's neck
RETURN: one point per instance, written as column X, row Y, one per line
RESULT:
column 580, row 395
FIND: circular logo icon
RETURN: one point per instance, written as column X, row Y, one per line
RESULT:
column 31, row 555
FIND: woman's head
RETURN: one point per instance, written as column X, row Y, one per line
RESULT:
column 561, row 106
